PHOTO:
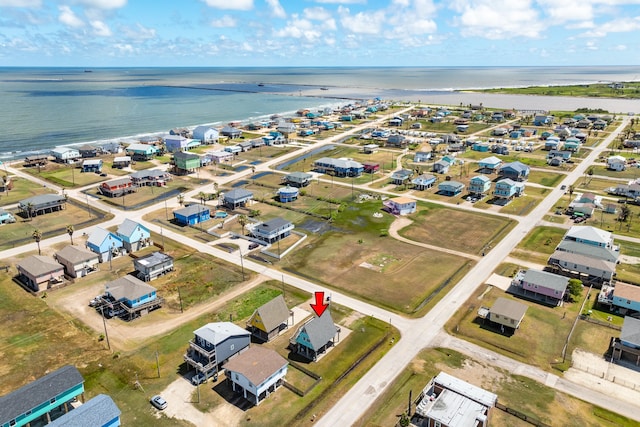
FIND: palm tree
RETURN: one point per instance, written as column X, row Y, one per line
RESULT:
column 243, row 220
column 37, row 236
column 216, row 188
column 181, row 199
column 202, row 197
column 70, row 231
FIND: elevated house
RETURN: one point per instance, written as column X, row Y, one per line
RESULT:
column 101, row 411
column 288, row 194
column 315, row 336
column 256, row 373
column 42, row 400
column 206, row 134
column 111, row 148
column 507, row 312
column 36, row 160
column 598, row 252
column 92, row 165
column 627, row 347
column 450, row 188
column 400, row 205
column 238, row 197
column 192, row 215
column 396, row 140
column 269, row 319
column 543, row 286
column 401, row 176
column 590, row 236
column 542, row 120
column 117, row 187
column 286, row 128
column 214, row 344
column 341, row 167
column 87, row 151
column 65, row 154
column 77, row 261
column 298, row 179
column 516, row 171
column 616, row 163
column 219, row 156
column 40, row 273
column 624, row 298
column 233, row 149
column 479, row 185
column 273, row 230
column 424, row 181
column 596, row 270
column 371, row 167
column 441, row 166
column 131, row 297
column 141, row 152
column 507, row 189
column 370, row 148
column 231, row 132
column 152, row 266
column 422, row 156
column 41, row 204
column 150, row 177
column 121, row 162
column 134, row 235
column 448, row 401
column 6, row 217
column 106, row 244
column 185, row 163
column 175, row 143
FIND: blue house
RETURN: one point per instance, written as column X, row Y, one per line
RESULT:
column 214, row 344
column 101, row 411
column 105, row 243
column 422, row 156
column 141, row 152
column 206, row 134
column 401, row 176
column 551, row 144
column 450, row 188
column 424, row 181
column 508, row 189
column 542, row 120
column 40, row 400
column 480, row 184
column 490, row 164
column 480, row 146
column 192, row 214
column 130, row 291
column 315, row 336
column 135, row 236
column 92, row 165
column 572, row 144
column 517, row 171
column 341, row 167
column 288, row 194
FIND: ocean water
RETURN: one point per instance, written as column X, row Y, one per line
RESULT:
column 41, row 108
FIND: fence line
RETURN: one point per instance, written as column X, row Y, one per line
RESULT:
column 605, row 375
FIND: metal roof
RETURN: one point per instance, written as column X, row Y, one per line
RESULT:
column 320, row 330
column 98, row 411
column 509, row 308
column 545, row 279
column 128, row 287
column 217, row 332
column 630, row 330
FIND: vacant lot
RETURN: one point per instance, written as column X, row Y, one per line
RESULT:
column 539, row 244
column 22, row 189
column 474, row 232
column 65, row 175
column 519, row 393
column 357, row 257
column 524, row 204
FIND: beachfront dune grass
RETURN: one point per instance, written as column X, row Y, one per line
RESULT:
column 357, row 257
column 517, row 392
column 477, row 232
column 597, row 90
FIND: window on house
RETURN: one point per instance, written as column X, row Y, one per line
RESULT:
column 513, row 321
column 12, row 422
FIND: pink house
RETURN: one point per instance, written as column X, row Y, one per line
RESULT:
column 400, row 205
column 540, row 285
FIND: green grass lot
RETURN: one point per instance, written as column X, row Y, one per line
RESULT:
column 629, row 173
column 629, row 273
column 514, row 391
column 629, row 248
column 447, row 126
column 594, row 184
column 594, row 311
column 548, row 179
column 50, row 224
column 539, row 244
column 435, row 225
column 630, row 90
column 535, row 159
column 610, row 222
column 386, row 158
column 524, row 204
column 22, row 189
column 538, row 341
column 196, row 232
column 69, row 176
column 398, row 276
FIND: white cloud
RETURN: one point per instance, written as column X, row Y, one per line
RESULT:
column 100, row 29
column 69, row 18
column 624, row 25
column 225, row 21
column 302, row 29
column 276, row 9
column 342, row 1
column 567, row 10
column 20, row 3
column 103, row 4
column 620, row 47
column 139, row 33
column 590, row 45
column 498, row 19
column 363, row 22
column 322, row 15
column 230, row 4
column 124, row 48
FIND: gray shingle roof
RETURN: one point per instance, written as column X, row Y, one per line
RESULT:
column 272, row 225
column 273, row 314
column 128, row 287
column 509, row 308
column 37, row 392
column 548, row 280
column 257, row 364
column 75, row 254
column 583, row 260
column 237, row 194
column 95, row 412
column 191, row 210
column 38, row 265
column 42, row 199
column 99, row 234
column 320, row 330
column 631, row 330
column 128, row 227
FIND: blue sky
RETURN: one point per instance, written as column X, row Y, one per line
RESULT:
column 318, row 32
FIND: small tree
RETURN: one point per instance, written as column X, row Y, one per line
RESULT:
column 243, row 220
column 574, row 287
column 70, row 231
column 181, row 199
column 254, row 213
column 202, row 197
column 37, row 236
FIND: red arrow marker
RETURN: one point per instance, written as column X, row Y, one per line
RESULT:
column 319, row 307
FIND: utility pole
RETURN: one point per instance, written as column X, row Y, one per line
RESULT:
column 104, row 324
column 158, row 363
column 241, row 263
column 180, row 298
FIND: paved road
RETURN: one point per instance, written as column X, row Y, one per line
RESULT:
column 359, row 398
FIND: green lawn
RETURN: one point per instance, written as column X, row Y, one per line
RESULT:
column 22, row 189
column 630, row 90
column 539, row 244
column 69, row 176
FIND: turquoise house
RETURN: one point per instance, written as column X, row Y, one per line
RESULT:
column 480, row 184
column 508, row 189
